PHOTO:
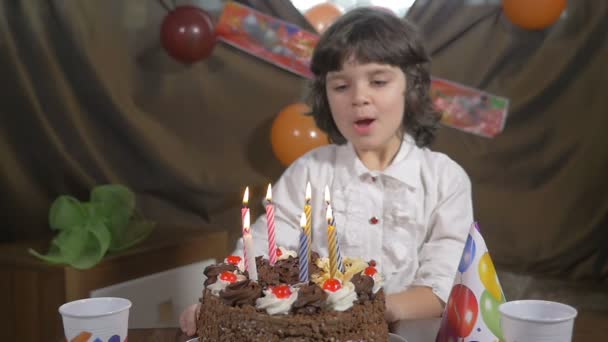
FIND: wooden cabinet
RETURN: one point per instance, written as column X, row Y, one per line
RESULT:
column 31, row 291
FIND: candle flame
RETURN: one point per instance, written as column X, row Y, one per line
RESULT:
column 327, row 198
column 246, row 197
column 329, row 216
column 269, row 193
column 303, row 220
column 246, row 222
column 308, row 192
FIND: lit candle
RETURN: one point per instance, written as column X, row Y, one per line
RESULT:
column 249, row 252
column 333, row 223
column 272, row 249
column 332, row 244
column 244, row 211
column 245, row 208
column 308, row 213
column 303, row 251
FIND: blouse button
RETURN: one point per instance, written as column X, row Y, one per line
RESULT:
column 374, row 220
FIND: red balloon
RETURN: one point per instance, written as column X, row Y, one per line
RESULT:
column 533, row 14
column 462, row 310
column 187, row 34
column 322, row 15
column 293, row 133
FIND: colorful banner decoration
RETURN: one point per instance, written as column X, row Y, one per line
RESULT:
column 273, row 40
column 469, row 109
column 471, row 314
column 289, row 47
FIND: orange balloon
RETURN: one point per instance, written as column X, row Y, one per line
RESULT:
column 533, row 14
column 322, row 15
column 293, row 133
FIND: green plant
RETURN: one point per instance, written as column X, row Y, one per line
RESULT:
column 87, row 230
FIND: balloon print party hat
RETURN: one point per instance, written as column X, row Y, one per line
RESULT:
column 471, row 314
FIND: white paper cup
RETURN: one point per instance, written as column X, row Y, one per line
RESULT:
column 536, row 321
column 104, row 319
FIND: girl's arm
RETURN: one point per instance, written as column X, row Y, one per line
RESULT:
column 418, row 302
column 449, row 225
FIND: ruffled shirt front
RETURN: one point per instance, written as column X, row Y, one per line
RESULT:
column 412, row 218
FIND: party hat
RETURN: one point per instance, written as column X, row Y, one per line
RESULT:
column 471, row 314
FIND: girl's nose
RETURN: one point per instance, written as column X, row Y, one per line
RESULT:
column 360, row 95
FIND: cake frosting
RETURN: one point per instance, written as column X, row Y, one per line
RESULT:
column 277, row 307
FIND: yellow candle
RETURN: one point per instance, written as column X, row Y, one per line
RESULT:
column 332, row 244
column 308, row 213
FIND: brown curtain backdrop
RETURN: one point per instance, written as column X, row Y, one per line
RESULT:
column 540, row 188
column 89, row 97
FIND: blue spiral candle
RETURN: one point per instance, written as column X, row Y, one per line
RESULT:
column 303, row 251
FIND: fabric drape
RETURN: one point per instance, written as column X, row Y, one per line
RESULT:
column 90, row 97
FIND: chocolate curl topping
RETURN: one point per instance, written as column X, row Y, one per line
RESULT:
column 311, row 299
column 241, row 293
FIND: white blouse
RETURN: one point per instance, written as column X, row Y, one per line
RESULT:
column 412, row 218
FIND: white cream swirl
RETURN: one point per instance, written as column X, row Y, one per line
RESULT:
column 378, row 282
column 286, row 253
column 220, row 284
column 342, row 299
column 274, row 305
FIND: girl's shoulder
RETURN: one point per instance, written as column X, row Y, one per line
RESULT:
column 323, row 156
column 440, row 165
column 316, row 163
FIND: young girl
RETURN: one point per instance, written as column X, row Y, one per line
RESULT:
column 394, row 200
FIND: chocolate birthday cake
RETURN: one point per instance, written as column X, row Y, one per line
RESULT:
column 279, row 307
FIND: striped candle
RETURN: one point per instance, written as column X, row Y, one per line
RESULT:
column 244, row 212
column 245, row 208
column 332, row 244
column 339, row 257
column 333, row 223
column 272, row 248
column 308, row 213
column 303, row 251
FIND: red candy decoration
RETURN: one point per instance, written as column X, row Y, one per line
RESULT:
column 281, row 291
column 370, row 271
column 279, row 252
column 372, row 263
column 228, row 276
column 332, row 284
column 233, row 259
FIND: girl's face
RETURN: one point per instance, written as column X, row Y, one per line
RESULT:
column 367, row 102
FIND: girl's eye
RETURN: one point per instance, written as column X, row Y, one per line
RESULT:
column 339, row 87
column 379, row 83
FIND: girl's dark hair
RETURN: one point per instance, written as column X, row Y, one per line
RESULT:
column 375, row 36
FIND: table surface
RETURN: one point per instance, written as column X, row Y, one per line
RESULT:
column 157, row 335
column 588, row 327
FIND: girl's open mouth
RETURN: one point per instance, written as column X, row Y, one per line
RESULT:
column 364, row 126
